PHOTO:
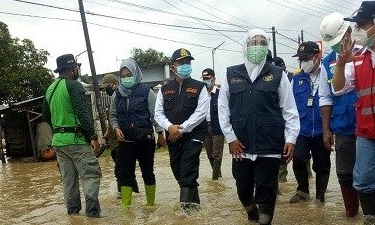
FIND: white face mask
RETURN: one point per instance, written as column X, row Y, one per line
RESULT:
column 307, row 66
column 360, row 37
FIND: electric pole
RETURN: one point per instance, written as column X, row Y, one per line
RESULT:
column 274, row 41
column 213, row 55
column 98, row 101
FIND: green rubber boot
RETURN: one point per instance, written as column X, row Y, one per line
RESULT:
column 150, row 194
column 126, row 196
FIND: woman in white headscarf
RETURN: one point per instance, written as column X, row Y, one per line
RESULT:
column 259, row 118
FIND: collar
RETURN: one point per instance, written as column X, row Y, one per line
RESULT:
column 213, row 91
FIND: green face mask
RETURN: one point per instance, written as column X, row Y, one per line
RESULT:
column 256, row 54
column 127, row 82
column 336, row 47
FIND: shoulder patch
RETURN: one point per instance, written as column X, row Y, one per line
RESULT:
column 191, row 90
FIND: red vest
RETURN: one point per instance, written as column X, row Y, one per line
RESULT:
column 365, row 86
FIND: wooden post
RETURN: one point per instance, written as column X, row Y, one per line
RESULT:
column 2, row 155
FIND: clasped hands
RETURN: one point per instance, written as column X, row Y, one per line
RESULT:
column 174, row 133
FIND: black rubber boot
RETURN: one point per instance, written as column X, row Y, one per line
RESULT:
column 252, row 213
column 266, row 213
column 368, row 205
column 216, row 170
column 321, row 186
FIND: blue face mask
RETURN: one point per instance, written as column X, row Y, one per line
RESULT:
column 127, row 82
column 208, row 83
column 184, row 71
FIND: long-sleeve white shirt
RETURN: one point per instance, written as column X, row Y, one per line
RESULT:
column 194, row 120
column 286, row 102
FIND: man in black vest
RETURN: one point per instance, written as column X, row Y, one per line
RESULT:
column 259, row 118
column 214, row 141
column 181, row 108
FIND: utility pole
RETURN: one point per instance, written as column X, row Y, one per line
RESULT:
column 93, row 71
column 274, row 41
column 213, row 55
column 301, row 36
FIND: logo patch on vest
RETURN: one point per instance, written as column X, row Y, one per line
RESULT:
column 236, row 80
column 191, row 90
column 268, row 77
column 169, row 92
column 300, row 82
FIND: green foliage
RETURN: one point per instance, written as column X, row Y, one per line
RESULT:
column 149, row 58
column 22, row 72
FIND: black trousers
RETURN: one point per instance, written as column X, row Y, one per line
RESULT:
column 127, row 155
column 184, row 161
column 261, row 174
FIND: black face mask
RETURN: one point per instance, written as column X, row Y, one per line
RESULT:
column 75, row 74
column 109, row 90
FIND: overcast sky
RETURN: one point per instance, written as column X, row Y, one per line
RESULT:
column 166, row 25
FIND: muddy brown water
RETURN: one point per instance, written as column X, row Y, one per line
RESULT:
column 31, row 193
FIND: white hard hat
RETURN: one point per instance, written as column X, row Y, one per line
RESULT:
column 333, row 28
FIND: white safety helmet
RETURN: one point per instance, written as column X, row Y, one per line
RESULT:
column 333, row 28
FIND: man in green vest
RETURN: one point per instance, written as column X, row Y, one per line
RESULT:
column 66, row 110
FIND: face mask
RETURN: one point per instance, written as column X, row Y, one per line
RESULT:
column 184, row 71
column 76, row 73
column 336, row 47
column 127, row 82
column 360, row 37
column 208, row 83
column 307, row 66
column 256, row 54
column 109, row 90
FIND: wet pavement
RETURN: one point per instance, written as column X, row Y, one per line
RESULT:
column 31, row 193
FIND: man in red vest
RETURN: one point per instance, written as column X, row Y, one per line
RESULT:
column 362, row 78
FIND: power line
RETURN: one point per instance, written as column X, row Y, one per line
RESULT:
column 351, row 3
column 303, row 6
column 203, row 23
column 299, row 10
column 211, row 14
column 118, row 29
column 167, row 12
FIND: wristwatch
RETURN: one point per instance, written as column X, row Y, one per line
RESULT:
column 94, row 137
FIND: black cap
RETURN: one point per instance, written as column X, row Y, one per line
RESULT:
column 306, row 49
column 208, row 73
column 181, row 54
column 364, row 14
column 279, row 61
column 66, row 61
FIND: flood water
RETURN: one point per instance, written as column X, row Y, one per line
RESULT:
column 31, row 193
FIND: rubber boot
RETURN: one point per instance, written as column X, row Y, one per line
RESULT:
column 368, row 207
column 321, row 186
column 126, row 196
column 211, row 162
column 266, row 213
column 283, row 172
column 351, row 201
column 252, row 213
column 216, row 170
column 150, row 194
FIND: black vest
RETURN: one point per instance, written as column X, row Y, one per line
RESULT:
column 215, row 126
column 256, row 116
column 137, row 112
column 180, row 103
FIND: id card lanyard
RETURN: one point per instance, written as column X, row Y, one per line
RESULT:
column 310, row 99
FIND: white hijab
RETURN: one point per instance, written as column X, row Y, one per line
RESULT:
column 253, row 69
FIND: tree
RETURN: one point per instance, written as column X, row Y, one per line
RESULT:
column 149, row 58
column 22, row 72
